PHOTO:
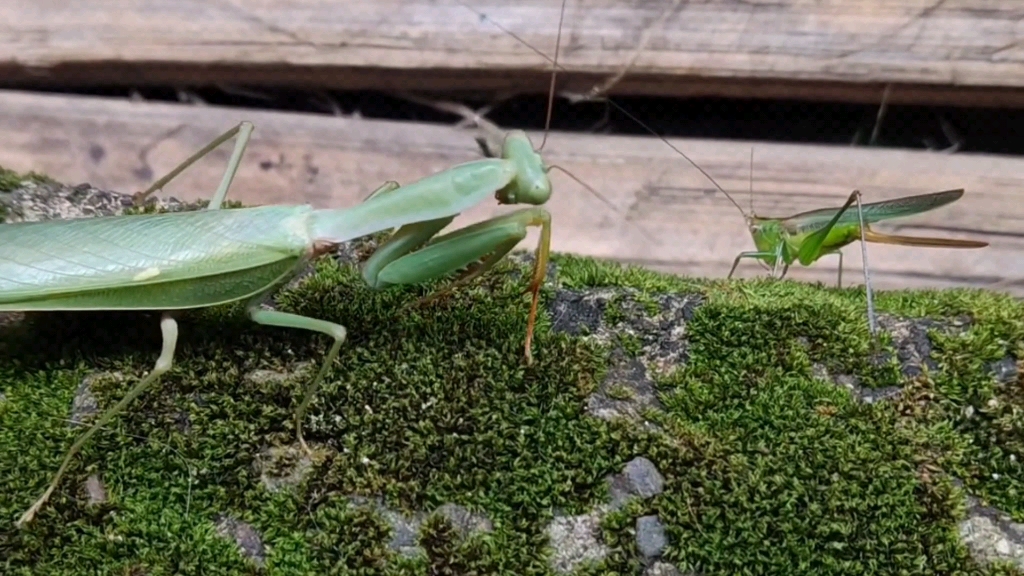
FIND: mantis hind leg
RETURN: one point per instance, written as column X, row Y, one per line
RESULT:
column 287, row 320
column 476, row 249
column 169, row 329
column 243, row 130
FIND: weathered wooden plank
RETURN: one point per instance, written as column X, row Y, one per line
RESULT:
column 958, row 51
column 333, row 161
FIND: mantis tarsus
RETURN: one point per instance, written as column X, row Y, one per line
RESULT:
column 184, row 260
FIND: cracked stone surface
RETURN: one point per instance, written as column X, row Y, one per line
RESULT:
column 283, row 467
column 464, row 521
column 991, row 535
column 852, row 383
column 405, row 528
column 628, row 389
column 244, row 536
column 913, row 350
column 575, row 541
column 651, row 539
column 404, row 532
column 35, row 201
column 84, row 406
column 910, row 338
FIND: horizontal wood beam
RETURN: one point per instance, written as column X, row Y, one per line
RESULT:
column 690, row 228
column 932, row 51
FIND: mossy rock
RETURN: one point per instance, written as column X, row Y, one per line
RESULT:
column 784, row 440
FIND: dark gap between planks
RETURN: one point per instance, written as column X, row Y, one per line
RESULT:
column 954, row 129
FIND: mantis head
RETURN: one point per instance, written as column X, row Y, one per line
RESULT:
column 530, row 184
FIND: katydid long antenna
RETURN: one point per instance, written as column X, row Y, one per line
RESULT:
column 480, row 121
column 556, row 67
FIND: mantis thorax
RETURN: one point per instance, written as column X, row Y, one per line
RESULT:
column 530, row 184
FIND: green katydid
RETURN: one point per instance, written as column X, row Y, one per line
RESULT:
column 807, row 236
column 185, row 260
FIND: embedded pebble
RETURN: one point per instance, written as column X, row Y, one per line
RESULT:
column 991, row 535
column 644, row 479
column 464, row 521
column 651, row 540
column 575, row 540
column 244, row 536
column 94, row 490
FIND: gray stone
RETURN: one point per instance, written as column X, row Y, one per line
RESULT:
column 85, row 405
column 575, row 541
column 643, row 478
column 991, row 535
column 910, row 337
column 404, row 529
column 404, row 532
column 283, row 467
column 94, row 490
column 1005, row 370
column 651, row 540
column 852, row 383
column 662, row 569
column 244, row 536
column 464, row 521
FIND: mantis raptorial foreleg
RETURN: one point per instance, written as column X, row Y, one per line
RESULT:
column 169, row 329
column 478, row 247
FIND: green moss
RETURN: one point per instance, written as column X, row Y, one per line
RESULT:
column 10, row 180
column 768, row 470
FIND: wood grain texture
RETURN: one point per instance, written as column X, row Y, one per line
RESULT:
column 335, row 162
column 958, row 51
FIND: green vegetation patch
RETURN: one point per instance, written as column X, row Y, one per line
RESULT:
column 769, row 468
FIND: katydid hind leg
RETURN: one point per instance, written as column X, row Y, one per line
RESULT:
column 872, row 321
column 243, row 130
column 810, row 249
column 169, row 330
column 288, row 320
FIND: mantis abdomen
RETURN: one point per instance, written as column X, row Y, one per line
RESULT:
column 151, row 262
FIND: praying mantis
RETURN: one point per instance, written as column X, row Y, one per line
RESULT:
column 176, row 261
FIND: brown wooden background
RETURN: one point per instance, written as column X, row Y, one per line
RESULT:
column 963, row 52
